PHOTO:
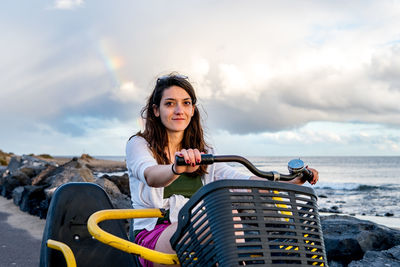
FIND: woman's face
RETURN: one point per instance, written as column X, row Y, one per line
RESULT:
column 176, row 109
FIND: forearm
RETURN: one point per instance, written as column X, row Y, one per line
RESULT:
column 159, row 175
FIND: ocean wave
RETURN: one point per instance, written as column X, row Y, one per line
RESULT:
column 100, row 174
column 355, row 186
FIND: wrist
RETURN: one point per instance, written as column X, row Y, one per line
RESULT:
column 174, row 171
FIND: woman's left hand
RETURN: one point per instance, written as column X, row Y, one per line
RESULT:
column 315, row 177
column 300, row 180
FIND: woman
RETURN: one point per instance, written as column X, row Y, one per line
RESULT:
column 172, row 128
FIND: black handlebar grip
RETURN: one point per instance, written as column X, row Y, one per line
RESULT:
column 206, row 159
column 308, row 175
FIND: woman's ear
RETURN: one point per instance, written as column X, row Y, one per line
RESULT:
column 156, row 110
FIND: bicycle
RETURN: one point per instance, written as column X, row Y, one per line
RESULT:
column 225, row 223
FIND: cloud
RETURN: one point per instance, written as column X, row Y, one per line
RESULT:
column 368, row 92
column 260, row 68
column 68, row 4
column 128, row 92
column 313, row 139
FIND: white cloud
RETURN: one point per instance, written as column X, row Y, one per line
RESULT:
column 68, row 4
column 199, row 72
column 263, row 71
column 129, row 92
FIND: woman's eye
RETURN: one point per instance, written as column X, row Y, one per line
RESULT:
column 169, row 103
column 187, row 103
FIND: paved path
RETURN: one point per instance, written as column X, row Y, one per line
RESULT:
column 20, row 236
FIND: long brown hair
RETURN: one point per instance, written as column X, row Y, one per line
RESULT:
column 155, row 132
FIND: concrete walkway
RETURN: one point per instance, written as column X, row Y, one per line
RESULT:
column 20, row 236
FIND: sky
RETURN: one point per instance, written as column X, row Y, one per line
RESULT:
column 273, row 78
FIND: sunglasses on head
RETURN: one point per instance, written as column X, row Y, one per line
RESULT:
column 167, row 77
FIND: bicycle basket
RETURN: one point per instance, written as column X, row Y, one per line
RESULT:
column 248, row 223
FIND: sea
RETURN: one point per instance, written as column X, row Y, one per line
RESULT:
column 366, row 186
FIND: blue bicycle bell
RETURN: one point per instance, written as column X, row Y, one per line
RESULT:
column 295, row 166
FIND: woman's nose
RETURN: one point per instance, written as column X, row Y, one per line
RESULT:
column 178, row 109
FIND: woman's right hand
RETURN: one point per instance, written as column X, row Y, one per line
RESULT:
column 192, row 157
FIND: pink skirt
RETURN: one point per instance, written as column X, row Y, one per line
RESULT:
column 149, row 240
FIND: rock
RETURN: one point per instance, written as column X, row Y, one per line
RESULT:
column 20, row 171
column 14, row 164
column 31, row 181
column 34, row 163
column 29, row 199
column 86, row 157
column 10, row 182
column 43, row 175
column 336, row 264
column 21, row 177
column 72, row 171
column 119, row 200
column 390, row 257
column 121, row 181
column 30, row 172
column 17, row 195
column 322, row 196
column 348, row 238
column 108, row 186
column 333, row 209
column 388, row 214
column 31, row 202
column 2, row 170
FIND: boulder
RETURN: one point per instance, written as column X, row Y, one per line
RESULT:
column 121, row 181
column 17, row 195
column 14, row 164
column 10, row 182
column 390, row 257
column 31, row 165
column 30, row 199
column 119, row 200
column 333, row 209
column 348, row 238
column 72, row 171
column 43, row 175
column 21, row 177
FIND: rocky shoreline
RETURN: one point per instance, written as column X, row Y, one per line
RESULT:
column 30, row 182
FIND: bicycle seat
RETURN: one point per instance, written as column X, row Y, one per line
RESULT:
column 70, row 207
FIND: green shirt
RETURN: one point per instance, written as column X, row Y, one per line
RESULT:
column 185, row 185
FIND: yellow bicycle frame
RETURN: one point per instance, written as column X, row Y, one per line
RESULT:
column 66, row 251
column 122, row 244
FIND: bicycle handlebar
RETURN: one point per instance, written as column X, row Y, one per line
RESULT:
column 207, row 159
